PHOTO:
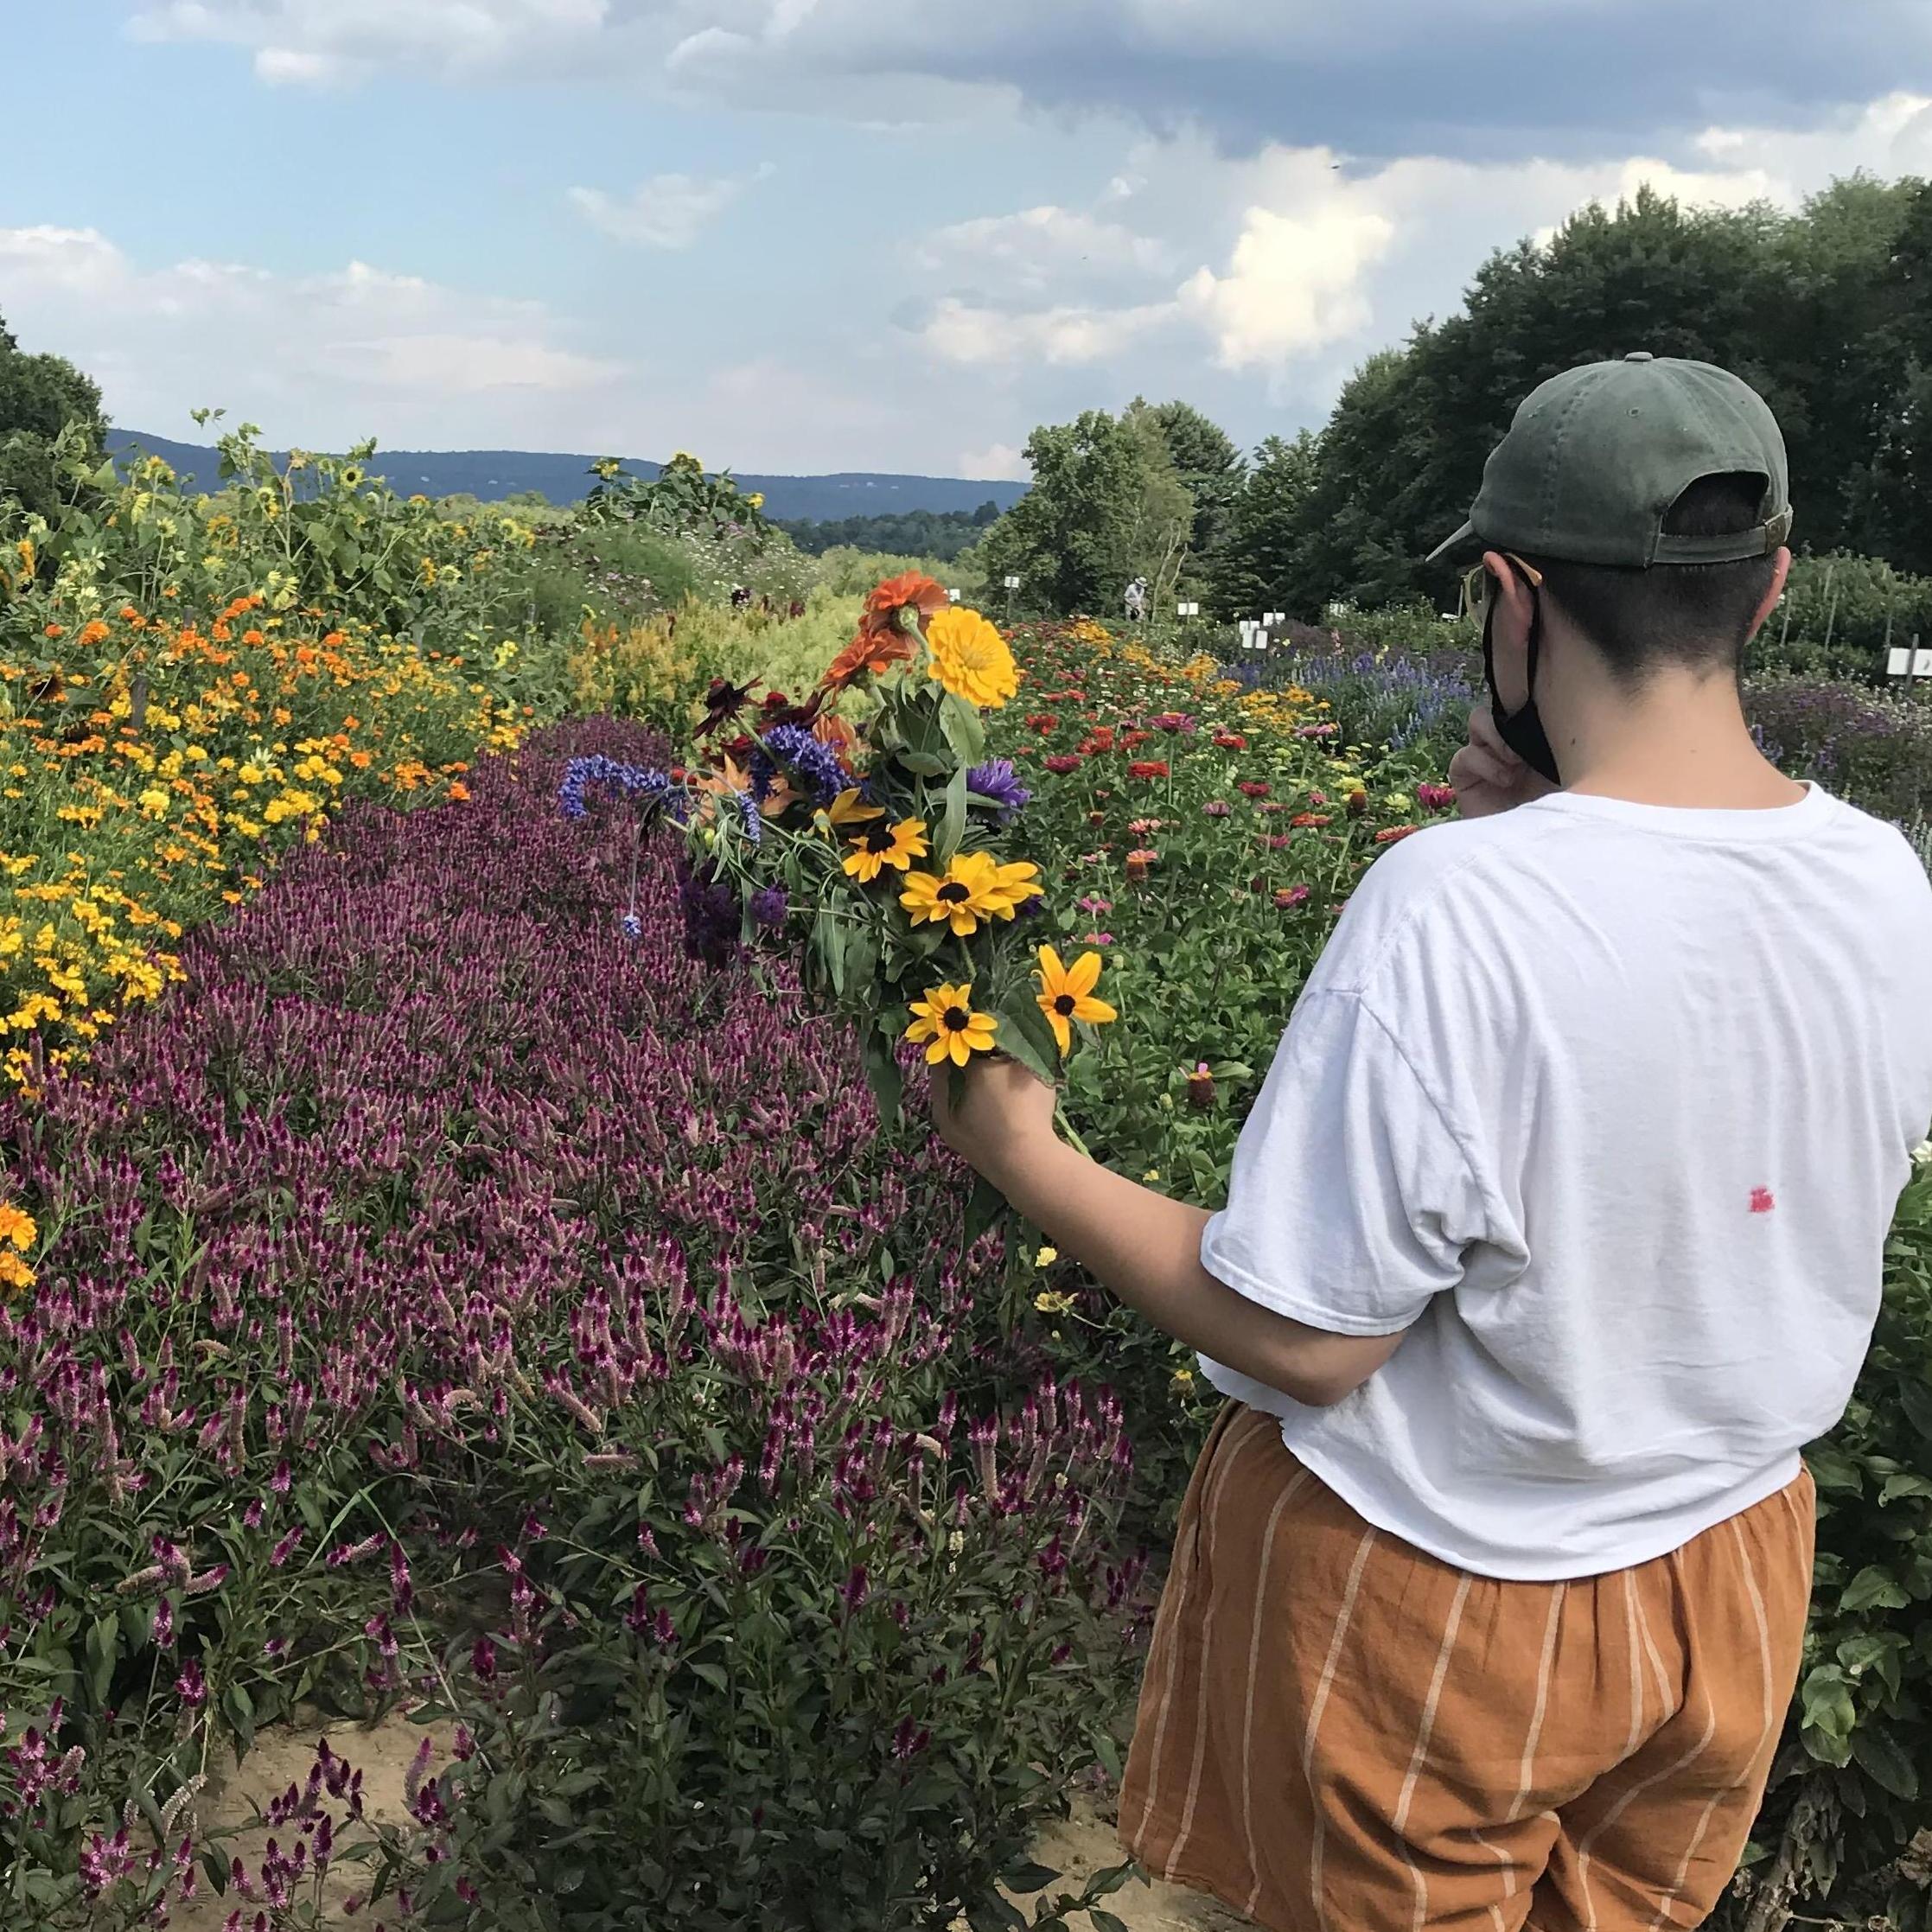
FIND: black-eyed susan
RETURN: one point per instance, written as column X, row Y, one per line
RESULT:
column 849, row 808
column 1067, row 994
column 945, row 1024
column 970, row 657
column 881, row 845
column 966, row 895
column 1013, row 885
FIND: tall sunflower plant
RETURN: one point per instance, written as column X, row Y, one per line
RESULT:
column 867, row 825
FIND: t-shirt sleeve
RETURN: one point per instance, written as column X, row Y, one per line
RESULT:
column 1351, row 1200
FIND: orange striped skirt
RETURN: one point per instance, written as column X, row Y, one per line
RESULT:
column 1339, row 1733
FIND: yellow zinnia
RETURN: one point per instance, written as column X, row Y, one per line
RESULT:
column 970, row 657
column 968, row 894
column 881, row 845
column 946, row 1024
column 1067, row 994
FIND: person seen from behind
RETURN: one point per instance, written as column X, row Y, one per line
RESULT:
column 1555, row 1233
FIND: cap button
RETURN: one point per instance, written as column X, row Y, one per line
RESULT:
column 1640, row 356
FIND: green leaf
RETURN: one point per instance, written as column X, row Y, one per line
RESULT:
column 104, row 1650
column 1872, row 1586
column 952, row 821
column 1880, row 1755
column 1916, row 1398
column 1104, row 1921
column 965, row 730
column 1014, row 1038
column 1828, row 1705
column 1027, row 1876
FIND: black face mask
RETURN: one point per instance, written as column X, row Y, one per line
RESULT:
column 1521, row 730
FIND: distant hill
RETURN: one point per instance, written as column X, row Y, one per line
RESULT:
column 493, row 474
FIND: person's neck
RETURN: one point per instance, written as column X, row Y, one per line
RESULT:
column 1683, row 741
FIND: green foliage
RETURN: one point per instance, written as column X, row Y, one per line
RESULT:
column 1106, row 505
column 850, row 573
column 1826, row 311
column 1258, row 566
column 682, row 500
column 1839, row 614
column 43, row 399
column 1209, row 464
column 1854, row 1771
column 936, row 534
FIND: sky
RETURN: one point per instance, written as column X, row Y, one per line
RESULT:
column 795, row 236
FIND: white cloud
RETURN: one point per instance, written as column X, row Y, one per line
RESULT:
column 1294, row 284
column 668, row 211
column 1029, row 253
column 1000, row 463
column 326, row 357
column 959, row 332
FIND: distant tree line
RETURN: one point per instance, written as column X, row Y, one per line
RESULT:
column 936, row 533
column 1826, row 311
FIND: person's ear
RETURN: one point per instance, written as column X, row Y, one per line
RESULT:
column 1781, row 575
column 1514, row 610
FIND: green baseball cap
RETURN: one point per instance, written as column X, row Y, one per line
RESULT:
column 1596, row 456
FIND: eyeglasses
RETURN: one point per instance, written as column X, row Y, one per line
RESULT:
column 1476, row 583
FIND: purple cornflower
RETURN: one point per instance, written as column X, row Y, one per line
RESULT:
column 996, row 783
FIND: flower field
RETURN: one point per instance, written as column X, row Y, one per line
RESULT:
column 452, row 1273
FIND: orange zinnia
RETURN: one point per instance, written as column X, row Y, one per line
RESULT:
column 885, row 602
column 870, row 652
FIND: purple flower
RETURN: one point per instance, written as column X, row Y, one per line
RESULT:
column 792, row 745
column 995, row 782
column 769, row 905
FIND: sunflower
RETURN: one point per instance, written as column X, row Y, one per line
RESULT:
column 1067, row 994
column 968, row 895
column 946, row 1024
column 970, row 657
column 869, row 653
column 887, row 604
column 881, row 845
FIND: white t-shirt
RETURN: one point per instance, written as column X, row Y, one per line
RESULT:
column 1613, row 1103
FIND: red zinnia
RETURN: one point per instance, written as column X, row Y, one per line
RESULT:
column 1389, row 834
column 1062, row 762
column 1148, row 768
column 1251, row 787
column 1230, row 741
column 1305, row 819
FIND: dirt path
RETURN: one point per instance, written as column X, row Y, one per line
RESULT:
column 1083, row 1844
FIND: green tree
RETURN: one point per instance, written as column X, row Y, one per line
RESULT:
column 1208, row 462
column 40, row 396
column 1262, row 565
column 1824, row 311
column 1106, row 506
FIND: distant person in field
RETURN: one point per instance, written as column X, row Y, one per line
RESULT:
column 1554, row 1235
column 1137, row 600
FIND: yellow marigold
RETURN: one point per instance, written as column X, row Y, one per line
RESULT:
column 16, row 1226
column 971, row 659
column 14, row 1272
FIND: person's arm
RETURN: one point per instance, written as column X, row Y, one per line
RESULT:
column 1142, row 1246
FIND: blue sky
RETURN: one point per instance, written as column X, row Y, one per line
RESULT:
column 801, row 235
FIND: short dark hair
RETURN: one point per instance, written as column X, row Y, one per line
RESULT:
column 1694, row 615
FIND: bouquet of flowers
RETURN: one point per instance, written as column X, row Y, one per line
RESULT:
column 867, row 823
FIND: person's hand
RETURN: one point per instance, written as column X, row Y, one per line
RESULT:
column 1488, row 777
column 1003, row 1110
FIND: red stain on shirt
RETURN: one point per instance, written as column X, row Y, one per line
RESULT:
column 1761, row 1201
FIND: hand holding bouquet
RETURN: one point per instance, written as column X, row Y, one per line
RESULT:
column 869, row 821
